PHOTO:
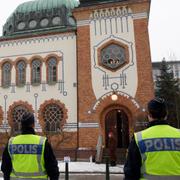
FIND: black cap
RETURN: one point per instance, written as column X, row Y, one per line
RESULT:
column 27, row 120
column 157, row 108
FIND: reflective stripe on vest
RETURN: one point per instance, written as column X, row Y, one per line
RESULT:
column 18, row 149
column 158, row 144
column 153, row 177
column 143, row 155
column 15, row 178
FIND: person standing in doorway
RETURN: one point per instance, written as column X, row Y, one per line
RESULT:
column 112, row 143
column 154, row 153
column 29, row 156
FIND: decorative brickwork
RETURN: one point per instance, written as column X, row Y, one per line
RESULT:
column 14, row 105
column 59, row 139
column 123, row 103
column 42, row 108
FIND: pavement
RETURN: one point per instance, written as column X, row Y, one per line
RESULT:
column 84, row 176
column 92, row 177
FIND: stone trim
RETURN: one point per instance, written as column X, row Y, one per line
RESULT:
column 17, row 103
column 41, row 110
column 27, row 39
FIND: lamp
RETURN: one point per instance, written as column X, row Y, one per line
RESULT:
column 114, row 97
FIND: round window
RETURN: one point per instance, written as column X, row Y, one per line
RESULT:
column 56, row 21
column 32, row 24
column 72, row 21
column 21, row 25
column 44, row 22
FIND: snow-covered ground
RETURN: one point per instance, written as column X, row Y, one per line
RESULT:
column 88, row 167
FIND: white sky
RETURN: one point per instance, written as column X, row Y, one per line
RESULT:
column 164, row 26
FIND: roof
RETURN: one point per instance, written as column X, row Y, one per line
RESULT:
column 38, row 5
column 94, row 2
column 40, row 15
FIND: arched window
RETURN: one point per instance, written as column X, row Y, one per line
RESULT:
column 21, row 73
column 6, row 74
column 52, row 70
column 53, row 116
column 36, row 71
column 17, row 114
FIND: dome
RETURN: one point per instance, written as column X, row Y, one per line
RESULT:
column 38, row 5
column 39, row 16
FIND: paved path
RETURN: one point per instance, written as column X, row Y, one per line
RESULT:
column 85, row 176
column 92, row 177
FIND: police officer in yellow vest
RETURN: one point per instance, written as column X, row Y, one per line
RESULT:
column 154, row 153
column 29, row 156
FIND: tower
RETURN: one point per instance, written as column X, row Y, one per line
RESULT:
column 114, row 68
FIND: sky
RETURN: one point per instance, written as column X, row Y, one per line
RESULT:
column 163, row 26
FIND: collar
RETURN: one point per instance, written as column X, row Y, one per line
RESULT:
column 28, row 131
column 157, row 122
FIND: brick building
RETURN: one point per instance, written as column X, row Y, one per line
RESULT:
column 83, row 68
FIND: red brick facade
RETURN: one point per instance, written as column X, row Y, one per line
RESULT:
column 86, row 96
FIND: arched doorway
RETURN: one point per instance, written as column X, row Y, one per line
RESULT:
column 116, row 122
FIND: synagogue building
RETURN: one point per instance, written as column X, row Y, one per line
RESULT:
column 82, row 67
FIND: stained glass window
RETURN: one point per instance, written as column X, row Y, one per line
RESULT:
column 21, row 73
column 52, row 70
column 6, row 74
column 113, row 56
column 36, row 71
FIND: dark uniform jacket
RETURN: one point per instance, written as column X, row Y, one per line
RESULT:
column 132, row 167
column 51, row 164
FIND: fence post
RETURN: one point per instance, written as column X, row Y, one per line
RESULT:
column 107, row 168
column 66, row 171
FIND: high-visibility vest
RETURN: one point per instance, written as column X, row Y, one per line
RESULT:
column 27, row 156
column 160, row 152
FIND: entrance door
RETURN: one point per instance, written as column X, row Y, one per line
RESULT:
column 116, row 122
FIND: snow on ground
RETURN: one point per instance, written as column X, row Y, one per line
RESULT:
column 88, row 167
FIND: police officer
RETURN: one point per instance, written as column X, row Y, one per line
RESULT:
column 29, row 156
column 154, row 153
